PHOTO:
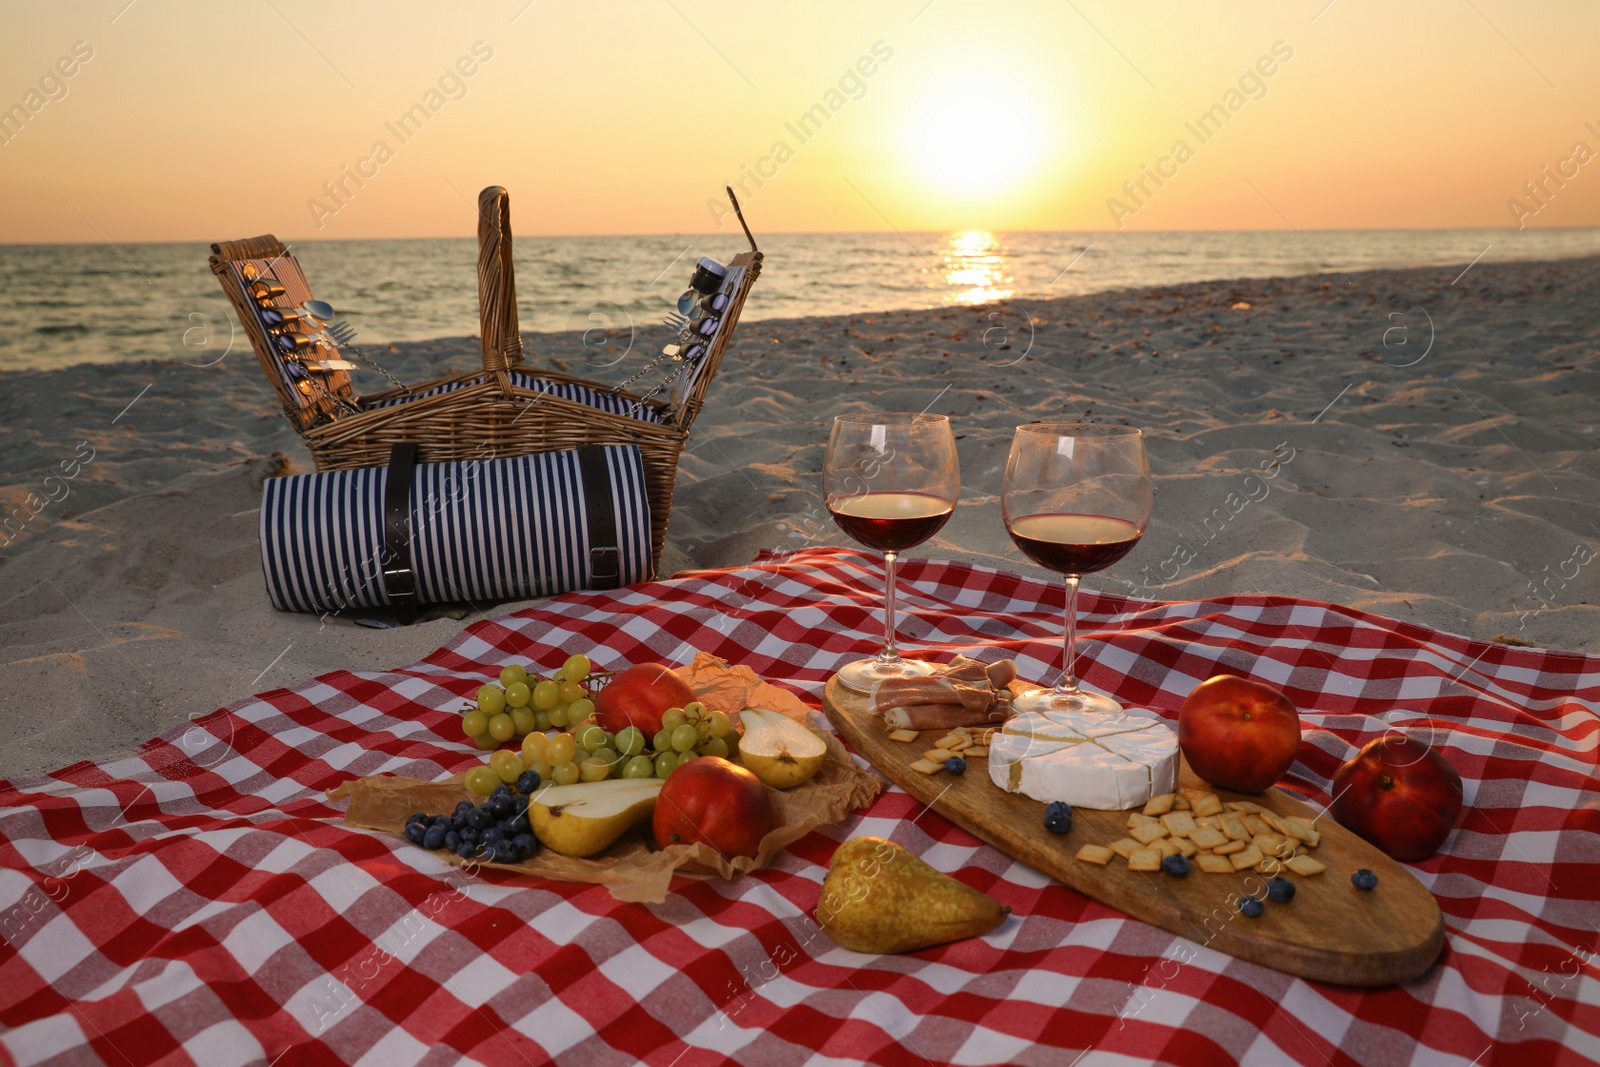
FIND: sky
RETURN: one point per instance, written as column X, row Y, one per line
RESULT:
column 184, row 121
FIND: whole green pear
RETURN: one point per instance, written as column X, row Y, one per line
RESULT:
column 879, row 898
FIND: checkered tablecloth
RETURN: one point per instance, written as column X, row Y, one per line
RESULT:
column 200, row 901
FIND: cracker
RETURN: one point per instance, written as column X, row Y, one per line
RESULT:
column 1144, row 859
column 1230, row 848
column 1159, row 805
column 976, row 752
column 1213, row 864
column 1144, row 833
column 1249, row 856
column 948, row 741
column 1095, row 854
column 1306, row 866
column 1300, row 829
column 1139, row 818
column 923, row 766
column 1234, row 827
column 1207, row 837
column 1268, row 843
column 903, row 735
column 937, row 755
column 1180, row 802
column 1243, row 805
column 1179, row 823
column 1125, row 847
column 1210, row 804
column 1254, row 825
column 1184, row 846
column 1168, row 846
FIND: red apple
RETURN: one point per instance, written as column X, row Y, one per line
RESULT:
column 709, row 799
column 1400, row 794
column 638, row 696
column 1238, row 734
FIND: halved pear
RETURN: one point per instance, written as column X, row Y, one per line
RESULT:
column 585, row 818
column 780, row 751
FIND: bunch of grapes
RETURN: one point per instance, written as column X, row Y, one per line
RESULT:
column 497, row 829
column 524, row 704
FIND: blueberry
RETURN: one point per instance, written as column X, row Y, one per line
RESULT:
column 528, row 782
column 526, row 844
column 1058, row 822
column 415, row 832
column 416, row 816
column 1177, row 866
column 480, row 819
column 1280, row 890
column 492, row 835
column 469, row 836
column 499, row 807
column 434, row 838
column 1252, row 908
column 467, row 849
column 504, row 852
column 463, row 807
column 955, row 765
column 1364, row 880
column 517, row 824
column 501, row 790
column 451, row 840
column 1058, row 805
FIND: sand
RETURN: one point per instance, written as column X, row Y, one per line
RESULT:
column 1452, row 483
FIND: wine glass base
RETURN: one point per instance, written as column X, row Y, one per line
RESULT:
column 1046, row 701
column 863, row 674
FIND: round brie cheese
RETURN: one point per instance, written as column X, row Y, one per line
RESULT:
column 1089, row 760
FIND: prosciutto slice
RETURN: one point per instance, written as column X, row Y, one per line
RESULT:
column 965, row 692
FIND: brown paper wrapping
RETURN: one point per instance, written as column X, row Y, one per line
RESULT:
column 634, row 869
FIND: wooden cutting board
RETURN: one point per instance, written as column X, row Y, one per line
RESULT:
column 1330, row 932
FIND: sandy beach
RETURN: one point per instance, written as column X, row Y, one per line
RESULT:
column 1387, row 440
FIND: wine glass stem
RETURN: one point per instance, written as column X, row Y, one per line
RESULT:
column 890, row 654
column 1068, row 685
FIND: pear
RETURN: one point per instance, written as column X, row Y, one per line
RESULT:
column 586, row 817
column 879, row 898
column 780, row 751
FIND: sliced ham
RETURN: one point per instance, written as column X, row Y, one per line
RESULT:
column 944, row 716
column 964, row 692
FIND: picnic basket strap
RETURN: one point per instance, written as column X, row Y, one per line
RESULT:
column 497, row 288
column 605, row 558
column 399, row 575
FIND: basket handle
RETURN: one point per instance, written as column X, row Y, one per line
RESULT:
column 497, row 287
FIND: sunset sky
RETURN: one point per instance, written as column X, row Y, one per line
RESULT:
column 196, row 121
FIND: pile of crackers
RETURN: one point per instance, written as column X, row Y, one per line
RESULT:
column 963, row 741
column 1218, row 838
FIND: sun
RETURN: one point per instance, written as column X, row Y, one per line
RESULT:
column 978, row 141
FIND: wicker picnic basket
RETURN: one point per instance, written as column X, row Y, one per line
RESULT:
column 506, row 409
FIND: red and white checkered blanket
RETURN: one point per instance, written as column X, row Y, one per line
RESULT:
column 200, row 901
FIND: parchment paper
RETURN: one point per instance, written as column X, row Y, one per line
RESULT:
column 634, row 869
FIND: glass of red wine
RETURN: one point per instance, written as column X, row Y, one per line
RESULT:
column 1076, row 499
column 891, row 481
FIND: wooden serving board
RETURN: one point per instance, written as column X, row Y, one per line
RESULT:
column 1330, row 932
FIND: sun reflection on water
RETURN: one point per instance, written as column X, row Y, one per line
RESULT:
column 975, row 268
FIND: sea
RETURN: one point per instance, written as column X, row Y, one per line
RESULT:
column 65, row 304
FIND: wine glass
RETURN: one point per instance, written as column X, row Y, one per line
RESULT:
column 1076, row 499
column 891, row 482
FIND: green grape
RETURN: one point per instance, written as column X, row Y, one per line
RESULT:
column 590, row 738
column 517, row 694
column 522, row 721
column 507, row 764
column 662, row 741
column 475, row 724
column 630, row 741
column 501, row 727
column 638, row 767
column 572, row 691
column 486, row 742
column 666, row 763
column 672, row 718
column 593, row 770
column 685, row 737
column 512, row 673
column 482, row 780
column 491, row 699
column 539, row 767
column 561, row 749
column 719, row 723
column 541, row 721
column 558, row 675
column 558, row 716
column 533, row 746
column 606, row 755
column 580, row 711
column 546, row 695
column 685, row 757
column 564, row 773
column 714, row 747
column 577, row 667
column 693, row 711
